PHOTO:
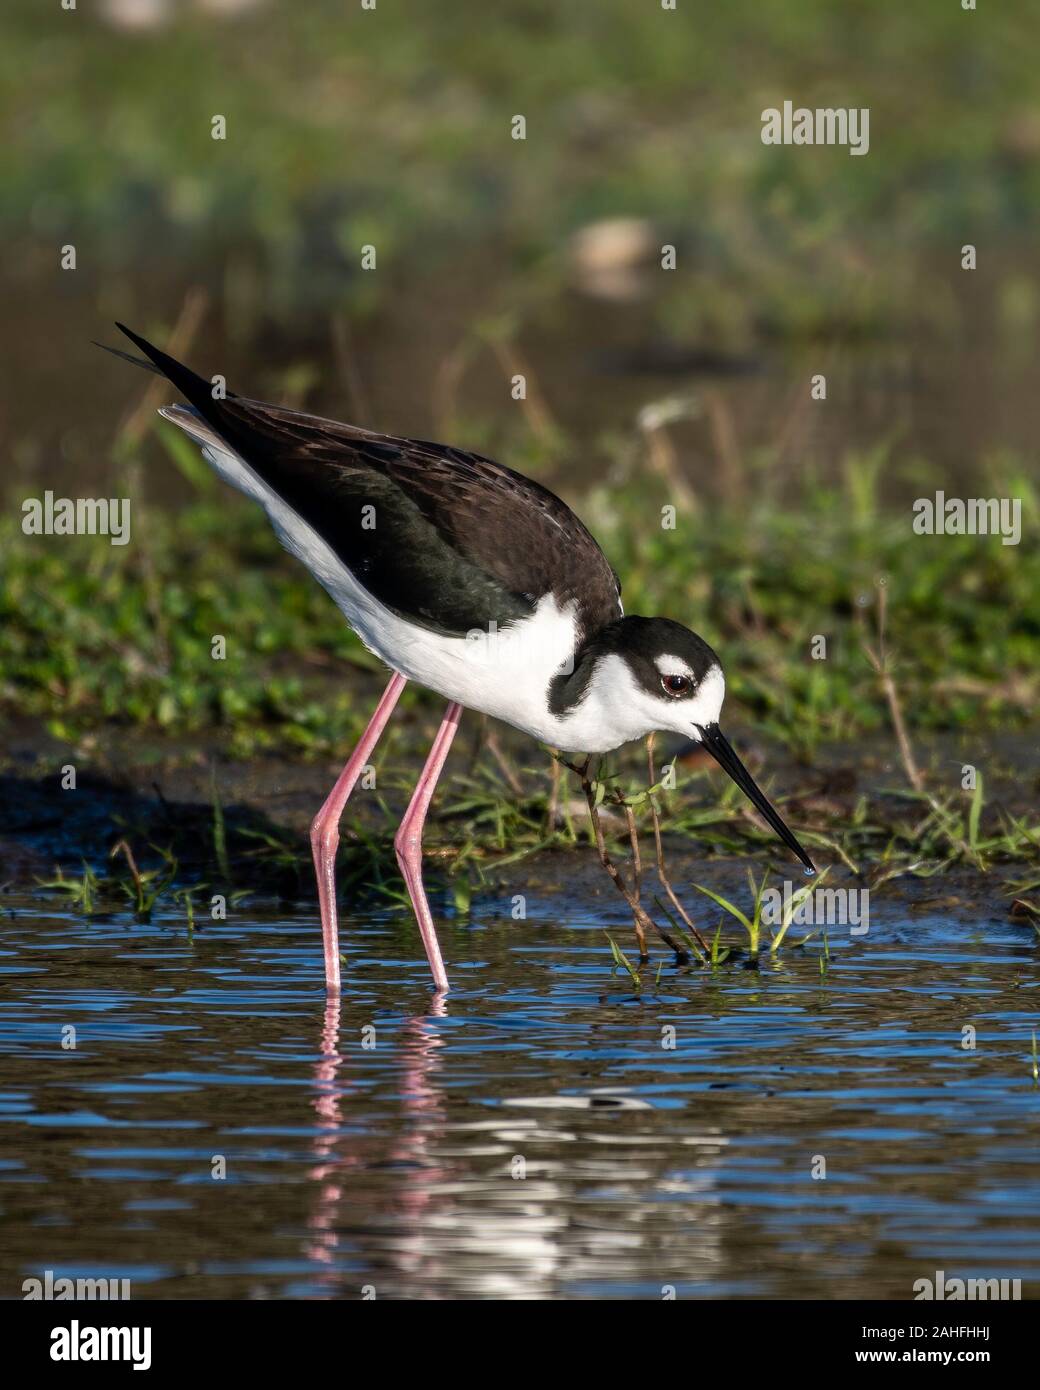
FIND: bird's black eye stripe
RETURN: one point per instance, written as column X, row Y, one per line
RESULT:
column 675, row 685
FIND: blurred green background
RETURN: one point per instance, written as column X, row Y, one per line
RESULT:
column 392, row 127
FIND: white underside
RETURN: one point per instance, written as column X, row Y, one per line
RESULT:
column 503, row 674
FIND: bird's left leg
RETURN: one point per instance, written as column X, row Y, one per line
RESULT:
column 325, row 827
column 408, row 841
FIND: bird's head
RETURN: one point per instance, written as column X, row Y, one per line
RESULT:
column 649, row 674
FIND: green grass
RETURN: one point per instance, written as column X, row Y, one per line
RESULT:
column 753, row 925
column 100, row 634
column 622, row 962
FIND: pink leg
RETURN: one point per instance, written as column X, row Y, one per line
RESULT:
column 408, row 841
column 325, row 827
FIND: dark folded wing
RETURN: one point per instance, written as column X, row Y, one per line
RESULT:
column 451, row 540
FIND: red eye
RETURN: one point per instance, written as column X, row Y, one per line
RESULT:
column 676, row 685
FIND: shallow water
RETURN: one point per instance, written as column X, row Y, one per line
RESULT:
column 529, row 1136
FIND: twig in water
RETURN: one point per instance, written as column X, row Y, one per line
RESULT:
column 637, row 875
column 640, row 916
column 641, row 919
column 135, row 873
column 661, row 874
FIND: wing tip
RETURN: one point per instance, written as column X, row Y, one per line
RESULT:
column 155, row 355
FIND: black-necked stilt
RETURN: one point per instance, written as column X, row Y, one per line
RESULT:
column 469, row 579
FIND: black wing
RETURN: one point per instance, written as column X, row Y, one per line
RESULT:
column 451, row 540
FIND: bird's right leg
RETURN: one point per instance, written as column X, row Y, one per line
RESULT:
column 408, row 842
column 325, row 826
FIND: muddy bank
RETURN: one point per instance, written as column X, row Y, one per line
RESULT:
column 165, row 797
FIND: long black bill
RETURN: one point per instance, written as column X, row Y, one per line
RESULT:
column 720, row 748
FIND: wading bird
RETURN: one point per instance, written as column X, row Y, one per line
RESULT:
column 467, row 578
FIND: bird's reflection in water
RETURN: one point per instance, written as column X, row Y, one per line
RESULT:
column 341, row 1153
